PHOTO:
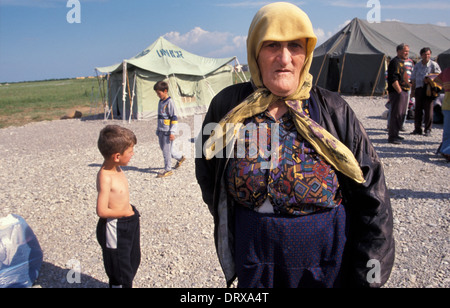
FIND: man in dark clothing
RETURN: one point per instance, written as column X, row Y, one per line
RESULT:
column 398, row 87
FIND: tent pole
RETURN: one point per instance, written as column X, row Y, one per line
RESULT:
column 99, row 85
column 321, row 68
column 100, row 88
column 129, row 96
column 124, row 90
column 335, row 45
column 112, row 103
column 342, row 73
column 132, row 96
column 106, row 92
column 378, row 75
column 112, row 106
column 237, row 61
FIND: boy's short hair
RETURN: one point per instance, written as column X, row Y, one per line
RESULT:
column 161, row 86
column 115, row 139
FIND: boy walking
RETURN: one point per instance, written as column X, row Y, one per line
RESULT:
column 118, row 229
column 167, row 126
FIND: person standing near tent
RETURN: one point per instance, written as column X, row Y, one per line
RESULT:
column 424, row 103
column 409, row 65
column 398, row 88
column 312, row 210
column 444, row 80
column 167, row 126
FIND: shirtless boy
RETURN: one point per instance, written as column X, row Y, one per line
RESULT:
column 118, row 229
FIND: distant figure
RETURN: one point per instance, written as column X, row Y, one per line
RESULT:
column 118, row 230
column 424, row 103
column 409, row 65
column 167, row 125
column 398, row 88
column 444, row 80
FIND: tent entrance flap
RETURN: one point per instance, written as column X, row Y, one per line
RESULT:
column 333, row 75
column 353, row 74
column 361, row 75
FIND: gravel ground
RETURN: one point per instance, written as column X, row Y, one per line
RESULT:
column 48, row 174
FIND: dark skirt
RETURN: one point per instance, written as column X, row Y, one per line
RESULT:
column 279, row 251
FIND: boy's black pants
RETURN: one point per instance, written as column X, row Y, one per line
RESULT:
column 120, row 242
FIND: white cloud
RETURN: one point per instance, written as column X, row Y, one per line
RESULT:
column 209, row 44
column 344, row 24
column 322, row 36
column 240, row 42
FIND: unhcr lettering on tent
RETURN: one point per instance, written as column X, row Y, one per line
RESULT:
column 143, row 53
column 169, row 53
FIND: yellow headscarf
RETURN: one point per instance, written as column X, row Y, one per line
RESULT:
column 283, row 22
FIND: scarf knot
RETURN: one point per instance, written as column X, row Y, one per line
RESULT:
column 325, row 144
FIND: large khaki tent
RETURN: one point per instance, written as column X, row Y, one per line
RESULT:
column 354, row 60
column 444, row 59
column 193, row 81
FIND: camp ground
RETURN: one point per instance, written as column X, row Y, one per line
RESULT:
column 355, row 59
column 193, row 81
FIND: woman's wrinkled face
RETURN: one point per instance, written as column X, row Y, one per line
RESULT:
column 281, row 64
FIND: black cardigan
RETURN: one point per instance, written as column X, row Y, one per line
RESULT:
column 368, row 208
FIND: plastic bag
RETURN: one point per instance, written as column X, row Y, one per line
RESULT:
column 20, row 253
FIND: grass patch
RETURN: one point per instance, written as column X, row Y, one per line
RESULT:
column 25, row 102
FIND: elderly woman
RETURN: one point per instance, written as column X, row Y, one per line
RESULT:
column 304, row 204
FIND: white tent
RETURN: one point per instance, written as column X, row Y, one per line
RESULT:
column 193, row 81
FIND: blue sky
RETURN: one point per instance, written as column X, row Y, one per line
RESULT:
column 37, row 42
